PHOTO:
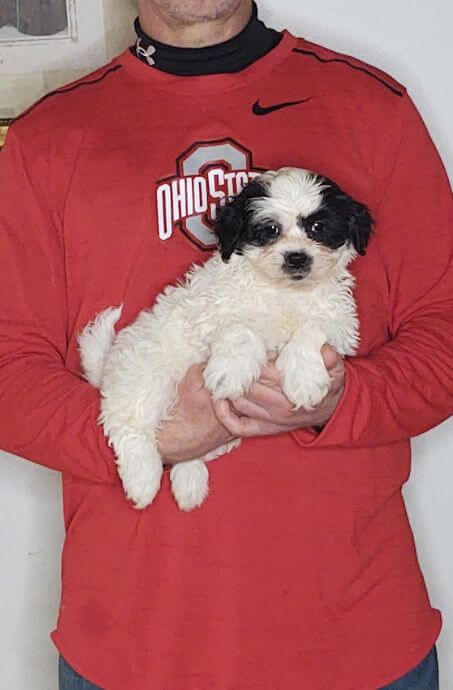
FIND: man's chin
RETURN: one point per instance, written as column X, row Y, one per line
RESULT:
column 197, row 11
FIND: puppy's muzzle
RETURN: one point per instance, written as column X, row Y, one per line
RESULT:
column 296, row 264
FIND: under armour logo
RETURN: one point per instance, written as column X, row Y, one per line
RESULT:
column 145, row 53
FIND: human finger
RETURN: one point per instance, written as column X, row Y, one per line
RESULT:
column 244, row 426
column 266, row 396
column 248, row 408
column 331, row 357
column 270, row 375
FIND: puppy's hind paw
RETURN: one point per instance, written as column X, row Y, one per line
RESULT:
column 189, row 484
column 140, row 469
column 143, row 487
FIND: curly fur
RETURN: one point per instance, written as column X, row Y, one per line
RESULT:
column 279, row 282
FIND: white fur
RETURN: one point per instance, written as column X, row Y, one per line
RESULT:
column 291, row 193
column 229, row 315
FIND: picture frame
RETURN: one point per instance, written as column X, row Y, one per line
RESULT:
column 30, row 24
column 40, row 50
column 69, row 45
column 57, row 48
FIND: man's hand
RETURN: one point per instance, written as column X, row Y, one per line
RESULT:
column 194, row 428
column 265, row 410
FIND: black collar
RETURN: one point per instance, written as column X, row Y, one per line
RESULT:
column 254, row 41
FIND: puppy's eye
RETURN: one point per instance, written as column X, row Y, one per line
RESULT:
column 317, row 227
column 271, row 230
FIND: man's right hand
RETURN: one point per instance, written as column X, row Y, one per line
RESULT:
column 193, row 429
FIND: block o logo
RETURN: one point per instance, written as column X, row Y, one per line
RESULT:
column 207, row 174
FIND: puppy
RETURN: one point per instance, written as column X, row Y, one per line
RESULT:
column 278, row 282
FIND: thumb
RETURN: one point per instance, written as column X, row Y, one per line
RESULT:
column 332, row 360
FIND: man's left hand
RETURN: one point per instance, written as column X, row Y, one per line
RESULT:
column 265, row 410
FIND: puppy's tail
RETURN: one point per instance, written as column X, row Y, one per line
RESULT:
column 95, row 341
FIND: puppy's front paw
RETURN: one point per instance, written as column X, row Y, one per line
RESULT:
column 230, row 378
column 305, row 380
column 189, row 484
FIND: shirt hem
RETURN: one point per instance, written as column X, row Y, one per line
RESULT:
column 416, row 659
column 389, row 677
column 74, row 664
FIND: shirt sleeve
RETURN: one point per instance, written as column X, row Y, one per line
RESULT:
column 48, row 415
column 405, row 387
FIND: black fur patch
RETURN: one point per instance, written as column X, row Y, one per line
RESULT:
column 234, row 223
column 340, row 220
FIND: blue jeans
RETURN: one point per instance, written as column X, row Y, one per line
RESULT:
column 424, row 677
column 68, row 679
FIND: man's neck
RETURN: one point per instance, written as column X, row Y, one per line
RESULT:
column 166, row 29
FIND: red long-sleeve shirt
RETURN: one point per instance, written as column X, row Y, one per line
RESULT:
column 300, row 570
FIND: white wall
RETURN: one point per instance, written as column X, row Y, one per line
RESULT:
column 412, row 41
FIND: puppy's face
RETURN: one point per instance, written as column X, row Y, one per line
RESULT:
column 294, row 226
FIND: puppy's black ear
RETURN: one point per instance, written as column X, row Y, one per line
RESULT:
column 353, row 216
column 232, row 219
column 229, row 226
column 360, row 226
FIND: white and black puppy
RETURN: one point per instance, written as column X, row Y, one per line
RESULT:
column 278, row 283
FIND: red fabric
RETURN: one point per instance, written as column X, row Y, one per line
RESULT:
column 300, row 569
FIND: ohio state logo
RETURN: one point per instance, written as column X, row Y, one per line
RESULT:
column 207, row 174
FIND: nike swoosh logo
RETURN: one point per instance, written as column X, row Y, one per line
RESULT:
column 258, row 109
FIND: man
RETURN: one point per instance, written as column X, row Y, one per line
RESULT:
column 300, row 570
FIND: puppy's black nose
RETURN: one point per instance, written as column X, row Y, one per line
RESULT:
column 297, row 259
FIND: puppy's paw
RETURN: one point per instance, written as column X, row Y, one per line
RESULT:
column 230, row 378
column 189, row 484
column 140, row 468
column 142, row 486
column 313, row 390
column 305, row 380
